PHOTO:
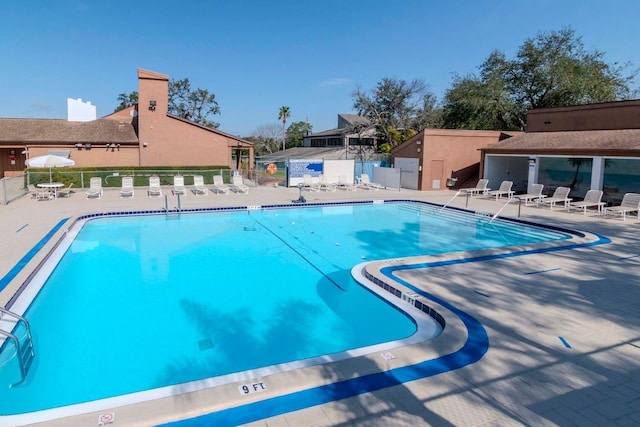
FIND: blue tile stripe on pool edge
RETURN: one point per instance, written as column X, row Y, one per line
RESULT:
column 474, row 349
column 29, row 255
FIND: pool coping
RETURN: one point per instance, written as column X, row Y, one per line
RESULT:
column 382, row 271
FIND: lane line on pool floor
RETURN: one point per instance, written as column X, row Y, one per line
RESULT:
column 543, row 271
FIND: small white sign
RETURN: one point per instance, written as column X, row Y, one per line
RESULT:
column 106, row 418
column 252, row 388
column 387, row 356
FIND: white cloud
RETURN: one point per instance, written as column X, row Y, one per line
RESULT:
column 338, row 81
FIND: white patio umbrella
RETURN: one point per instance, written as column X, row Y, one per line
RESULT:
column 49, row 161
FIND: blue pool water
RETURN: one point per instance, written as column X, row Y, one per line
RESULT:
column 138, row 303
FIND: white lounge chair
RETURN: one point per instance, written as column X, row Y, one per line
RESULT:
column 535, row 195
column 178, row 186
column 219, row 186
column 238, row 185
column 126, row 188
column 310, row 184
column 630, row 203
column 198, row 185
column 480, row 188
column 366, row 183
column 326, row 185
column 504, row 190
column 65, row 192
column 560, row 195
column 343, row 184
column 154, row 186
column 593, row 199
column 95, row 187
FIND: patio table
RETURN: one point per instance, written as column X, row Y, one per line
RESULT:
column 54, row 185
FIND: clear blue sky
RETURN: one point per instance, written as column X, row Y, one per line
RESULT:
column 257, row 56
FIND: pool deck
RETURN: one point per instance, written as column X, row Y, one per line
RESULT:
column 563, row 327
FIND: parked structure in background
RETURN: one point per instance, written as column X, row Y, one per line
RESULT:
column 437, row 159
column 144, row 134
column 585, row 147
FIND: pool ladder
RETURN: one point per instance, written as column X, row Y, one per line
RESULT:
column 25, row 351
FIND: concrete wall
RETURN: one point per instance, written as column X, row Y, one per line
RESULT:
column 605, row 116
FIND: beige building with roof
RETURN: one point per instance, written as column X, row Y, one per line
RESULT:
column 595, row 146
column 145, row 134
column 435, row 159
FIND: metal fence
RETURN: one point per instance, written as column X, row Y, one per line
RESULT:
column 15, row 187
column 12, row 188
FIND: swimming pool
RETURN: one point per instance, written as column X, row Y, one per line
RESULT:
column 288, row 248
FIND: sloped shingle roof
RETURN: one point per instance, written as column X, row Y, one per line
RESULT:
column 353, row 119
column 63, row 131
column 594, row 141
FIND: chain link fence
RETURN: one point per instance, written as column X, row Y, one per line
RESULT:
column 16, row 187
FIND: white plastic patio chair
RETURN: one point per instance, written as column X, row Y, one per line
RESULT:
column 126, row 189
column 178, row 186
column 560, row 195
column 95, row 188
column 154, row 186
column 219, row 186
column 310, row 184
column 238, row 185
column 534, row 196
column 198, row 185
column 630, row 203
column 593, row 199
column 480, row 188
column 343, row 184
column 504, row 190
column 366, row 183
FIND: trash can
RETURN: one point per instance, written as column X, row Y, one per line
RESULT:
column 451, row 182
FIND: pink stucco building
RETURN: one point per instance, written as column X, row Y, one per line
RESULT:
column 141, row 135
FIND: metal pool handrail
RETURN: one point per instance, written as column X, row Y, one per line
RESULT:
column 501, row 209
column 451, row 199
column 26, row 354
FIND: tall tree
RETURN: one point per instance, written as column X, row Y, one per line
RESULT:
column 296, row 132
column 283, row 114
column 550, row 70
column 473, row 103
column 197, row 105
column 266, row 138
column 395, row 107
column 126, row 100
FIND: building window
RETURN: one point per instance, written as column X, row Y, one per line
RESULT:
column 361, row 141
column 334, row 142
column 319, row 142
column 572, row 172
column 621, row 176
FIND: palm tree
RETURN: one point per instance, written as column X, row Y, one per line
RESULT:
column 576, row 162
column 283, row 115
